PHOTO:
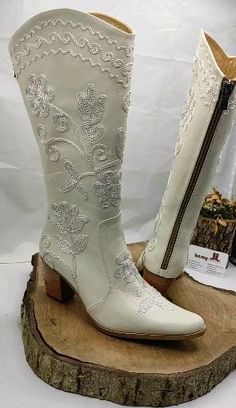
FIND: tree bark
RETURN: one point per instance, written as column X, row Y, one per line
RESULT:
column 66, row 351
column 204, row 235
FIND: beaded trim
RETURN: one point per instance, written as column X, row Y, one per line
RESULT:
column 128, row 51
column 123, row 82
column 68, row 38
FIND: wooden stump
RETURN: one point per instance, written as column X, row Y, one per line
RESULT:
column 67, row 352
column 204, row 234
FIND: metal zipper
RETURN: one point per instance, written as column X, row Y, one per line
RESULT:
column 226, row 89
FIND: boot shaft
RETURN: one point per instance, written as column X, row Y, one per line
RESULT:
column 74, row 71
column 196, row 155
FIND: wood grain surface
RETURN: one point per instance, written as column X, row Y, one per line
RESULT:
column 69, row 353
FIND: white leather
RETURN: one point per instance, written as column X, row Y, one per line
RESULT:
column 78, row 110
column 200, row 103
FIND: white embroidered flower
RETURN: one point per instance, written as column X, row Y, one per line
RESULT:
column 120, row 142
column 135, row 285
column 67, row 218
column 39, row 94
column 125, row 268
column 107, row 188
column 91, row 106
column 45, row 242
column 125, row 103
column 188, row 110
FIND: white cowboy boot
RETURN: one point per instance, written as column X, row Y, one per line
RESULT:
column 207, row 119
column 74, row 73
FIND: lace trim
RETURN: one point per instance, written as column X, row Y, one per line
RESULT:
column 128, row 51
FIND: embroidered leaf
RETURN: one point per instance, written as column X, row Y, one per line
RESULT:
column 68, row 185
column 71, row 169
column 91, row 106
column 107, row 188
column 66, row 218
column 96, row 132
column 42, row 133
column 60, row 120
column 80, row 244
column 73, row 181
column 45, row 242
column 39, row 94
column 125, row 104
column 120, row 142
column 82, row 192
column 64, row 245
column 53, row 153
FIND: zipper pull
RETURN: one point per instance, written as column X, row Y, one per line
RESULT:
column 225, row 92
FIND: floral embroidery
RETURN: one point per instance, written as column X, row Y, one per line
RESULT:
column 100, row 152
column 67, row 218
column 48, row 256
column 42, row 133
column 125, row 268
column 39, row 94
column 120, row 143
column 152, row 298
column 127, row 273
column 91, row 107
column 45, row 242
column 125, row 103
column 205, row 76
column 60, row 120
column 73, row 181
column 68, row 221
column 185, row 118
column 107, row 188
column 72, row 248
column 127, row 69
column 189, row 106
column 53, row 152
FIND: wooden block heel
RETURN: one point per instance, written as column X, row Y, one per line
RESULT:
column 56, row 286
column 158, row 282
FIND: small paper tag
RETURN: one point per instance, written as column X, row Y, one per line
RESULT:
column 207, row 261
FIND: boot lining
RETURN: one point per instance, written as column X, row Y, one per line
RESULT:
column 226, row 63
column 113, row 21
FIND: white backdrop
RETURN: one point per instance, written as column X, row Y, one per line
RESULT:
column 167, row 36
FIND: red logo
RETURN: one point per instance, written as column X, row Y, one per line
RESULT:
column 215, row 257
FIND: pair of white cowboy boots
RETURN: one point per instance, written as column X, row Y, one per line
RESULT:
column 74, row 71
